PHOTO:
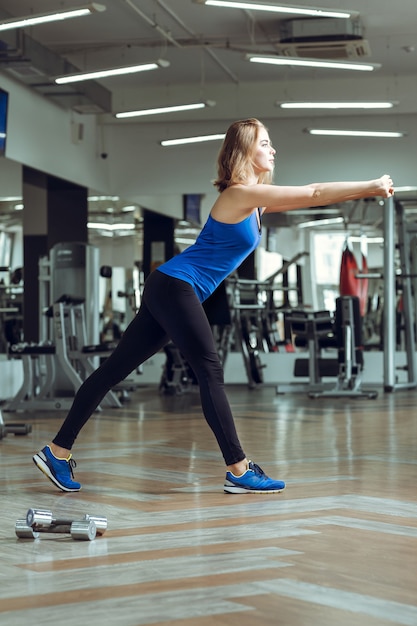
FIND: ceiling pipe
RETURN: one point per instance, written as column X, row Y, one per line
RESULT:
column 193, row 34
column 153, row 24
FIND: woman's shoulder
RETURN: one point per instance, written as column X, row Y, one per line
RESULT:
column 234, row 204
column 246, row 197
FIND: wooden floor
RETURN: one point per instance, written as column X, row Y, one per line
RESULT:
column 337, row 547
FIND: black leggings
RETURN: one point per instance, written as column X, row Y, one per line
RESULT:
column 170, row 310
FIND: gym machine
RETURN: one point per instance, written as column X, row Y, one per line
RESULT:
column 68, row 350
column 10, row 311
column 245, row 309
column 11, row 303
column 320, row 330
column 313, row 330
column 8, row 428
column 348, row 335
column 70, row 353
column 254, row 317
column 398, row 234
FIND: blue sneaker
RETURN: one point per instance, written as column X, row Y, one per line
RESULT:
column 254, row 480
column 59, row 471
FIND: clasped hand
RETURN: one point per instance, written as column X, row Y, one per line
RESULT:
column 387, row 186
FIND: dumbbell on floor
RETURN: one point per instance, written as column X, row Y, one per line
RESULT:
column 42, row 521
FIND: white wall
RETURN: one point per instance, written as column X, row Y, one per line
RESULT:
column 139, row 169
column 10, row 178
column 155, row 176
column 39, row 135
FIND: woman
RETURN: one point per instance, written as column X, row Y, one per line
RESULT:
column 171, row 306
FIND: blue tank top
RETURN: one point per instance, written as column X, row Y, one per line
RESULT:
column 218, row 250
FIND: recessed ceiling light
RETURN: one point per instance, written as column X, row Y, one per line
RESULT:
column 296, row 61
column 115, row 71
column 196, row 139
column 322, row 222
column 336, row 105
column 168, row 109
column 276, row 8
column 51, row 16
column 354, row 133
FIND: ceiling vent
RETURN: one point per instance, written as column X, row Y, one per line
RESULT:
column 322, row 38
column 326, row 49
column 319, row 29
column 35, row 65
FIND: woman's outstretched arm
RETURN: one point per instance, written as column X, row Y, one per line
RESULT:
column 276, row 198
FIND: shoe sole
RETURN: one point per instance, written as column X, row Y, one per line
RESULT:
column 40, row 464
column 236, row 489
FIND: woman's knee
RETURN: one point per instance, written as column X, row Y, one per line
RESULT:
column 209, row 370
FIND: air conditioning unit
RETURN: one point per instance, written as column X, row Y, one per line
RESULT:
column 326, row 49
column 322, row 38
column 313, row 29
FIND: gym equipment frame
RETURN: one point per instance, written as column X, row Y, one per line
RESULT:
column 69, row 356
column 348, row 334
column 17, row 428
column 393, row 209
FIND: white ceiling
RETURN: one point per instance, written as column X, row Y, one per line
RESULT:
column 205, row 47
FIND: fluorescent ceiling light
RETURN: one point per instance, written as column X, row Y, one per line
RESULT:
column 43, row 18
column 406, row 188
column 197, row 139
column 184, row 240
column 101, row 198
column 324, row 222
column 170, row 109
column 368, row 239
column 333, row 65
column 116, row 71
column 336, row 105
column 110, row 227
column 289, row 9
column 353, row 133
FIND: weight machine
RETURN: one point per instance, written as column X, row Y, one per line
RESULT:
column 320, row 330
column 348, row 336
column 313, row 330
column 253, row 314
column 70, row 355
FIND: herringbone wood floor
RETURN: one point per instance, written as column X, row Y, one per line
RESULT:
column 337, row 547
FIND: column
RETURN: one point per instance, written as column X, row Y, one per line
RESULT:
column 55, row 211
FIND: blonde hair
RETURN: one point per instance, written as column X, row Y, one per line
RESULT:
column 234, row 161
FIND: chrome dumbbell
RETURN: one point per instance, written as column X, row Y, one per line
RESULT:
column 42, row 521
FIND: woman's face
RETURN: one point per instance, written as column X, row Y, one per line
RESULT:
column 263, row 158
